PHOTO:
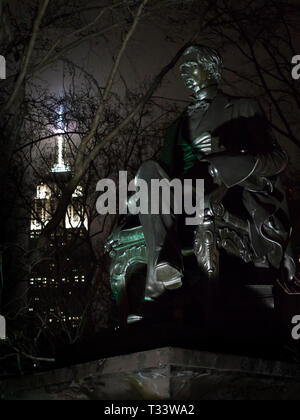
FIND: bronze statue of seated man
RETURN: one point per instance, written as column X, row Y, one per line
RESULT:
column 227, row 142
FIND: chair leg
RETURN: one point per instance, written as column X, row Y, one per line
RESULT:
column 208, row 256
column 122, row 303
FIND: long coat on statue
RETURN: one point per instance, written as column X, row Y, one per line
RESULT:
column 248, row 160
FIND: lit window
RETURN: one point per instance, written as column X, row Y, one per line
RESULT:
column 43, row 192
column 78, row 192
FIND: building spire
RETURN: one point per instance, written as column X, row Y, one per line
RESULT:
column 61, row 165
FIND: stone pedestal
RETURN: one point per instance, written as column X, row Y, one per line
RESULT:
column 162, row 374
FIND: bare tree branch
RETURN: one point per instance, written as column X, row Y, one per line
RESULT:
column 27, row 57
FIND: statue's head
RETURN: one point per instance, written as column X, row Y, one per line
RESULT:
column 200, row 67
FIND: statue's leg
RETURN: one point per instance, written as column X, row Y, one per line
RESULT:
column 165, row 266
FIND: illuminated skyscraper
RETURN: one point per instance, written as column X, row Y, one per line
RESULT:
column 59, row 282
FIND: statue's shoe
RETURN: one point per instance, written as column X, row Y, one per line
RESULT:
column 169, row 276
column 131, row 319
column 166, row 277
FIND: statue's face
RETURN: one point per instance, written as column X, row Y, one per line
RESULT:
column 194, row 76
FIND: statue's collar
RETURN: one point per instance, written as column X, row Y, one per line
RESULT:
column 215, row 99
column 203, row 100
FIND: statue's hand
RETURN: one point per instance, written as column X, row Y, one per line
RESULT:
column 202, row 145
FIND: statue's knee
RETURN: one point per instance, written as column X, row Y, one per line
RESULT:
column 149, row 168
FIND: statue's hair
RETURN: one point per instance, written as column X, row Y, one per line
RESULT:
column 206, row 57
